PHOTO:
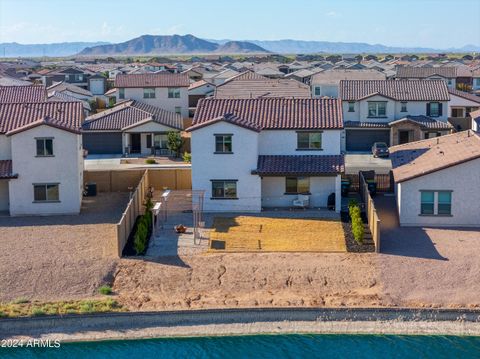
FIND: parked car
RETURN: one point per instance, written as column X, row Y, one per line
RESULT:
column 380, row 149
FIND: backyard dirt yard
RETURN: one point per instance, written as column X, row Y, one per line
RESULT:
column 59, row 257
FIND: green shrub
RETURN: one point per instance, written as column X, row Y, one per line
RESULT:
column 358, row 229
column 37, row 311
column 150, row 161
column 105, row 290
column 187, row 157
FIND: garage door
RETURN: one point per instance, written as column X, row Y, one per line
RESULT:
column 362, row 140
column 103, row 142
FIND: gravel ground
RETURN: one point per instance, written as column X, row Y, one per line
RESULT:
column 58, row 257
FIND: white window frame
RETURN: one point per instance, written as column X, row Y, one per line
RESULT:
column 44, row 140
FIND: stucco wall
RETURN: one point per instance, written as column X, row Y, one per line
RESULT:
column 5, row 150
column 207, row 166
column 273, row 191
column 463, row 180
column 284, row 142
column 65, row 168
column 161, row 98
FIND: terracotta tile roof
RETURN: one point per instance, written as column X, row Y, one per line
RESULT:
column 129, row 113
column 18, row 94
column 6, row 169
column 274, row 113
column 307, row 165
column 199, row 83
column 249, row 85
column 419, row 158
column 399, row 90
column 364, row 124
column 16, row 115
column 65, row 86
column 161, row 79
column 425, row 122
column 230, row 119
column 465, row 95
column 47, row 121
column 334, row 76
column 407, row 72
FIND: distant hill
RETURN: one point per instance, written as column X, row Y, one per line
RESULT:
column 13, row 49
column 171, row 44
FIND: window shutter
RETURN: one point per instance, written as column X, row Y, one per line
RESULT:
column 440, row 105
column 428, row 109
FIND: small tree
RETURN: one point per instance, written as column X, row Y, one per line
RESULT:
column 174, row 142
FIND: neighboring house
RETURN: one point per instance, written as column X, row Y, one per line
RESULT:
column 450, row 74
column 97, row 84
column 251, row 85
column 130, row 127
column 325, row 83
column 69, row 75
column 70, row 90
column 199, row 90
column 11, row 81
column 164, row 90
column 17, row 94
column 251, row 154
column 41, row 158
column 476, row 81
column 393, row 112
column 460, row 106
column 303, row 76
column 218, row 78
column 475, row 115
column 437, row 180
column 55, row 96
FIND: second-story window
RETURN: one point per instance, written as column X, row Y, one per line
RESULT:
column 317, row 90
column 148, row 92
column 44, row 147
column 223, row 143
column 377, row 109
column 351, row 107
column 434, row 109
column 173, row 92
column 403, row 107
column 309, row 140
column 121, row 93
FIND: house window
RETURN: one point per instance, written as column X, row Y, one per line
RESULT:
column 173, row 92
column 427, row 202
column 434, row 109
column 351, row 107
column 160, row 141
column 377, row 109
column 45, row 192
column 297, row 185
column 44, row 147
column 121, row 93
column 449, row 82
column 224, row 189
column 457, row 112
column 309, row 140
column 178, row 110
column 317, row 90
column 149, row 141
column 223, row 143
column 403, row 107
column 148, row 92
column 444, row 203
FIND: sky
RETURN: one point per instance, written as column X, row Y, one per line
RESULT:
column 425, row 23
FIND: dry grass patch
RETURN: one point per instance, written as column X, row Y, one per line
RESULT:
column 265, row 234
column 35, row 308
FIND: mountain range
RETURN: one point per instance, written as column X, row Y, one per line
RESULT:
column 189, row 44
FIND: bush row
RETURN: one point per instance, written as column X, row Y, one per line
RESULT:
column 144, row 224
column 358, row 229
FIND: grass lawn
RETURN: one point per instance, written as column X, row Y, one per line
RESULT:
column 265, row 234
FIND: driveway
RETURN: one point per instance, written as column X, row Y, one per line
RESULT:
column 355, row 162
column 59, row 257
column 427, row 266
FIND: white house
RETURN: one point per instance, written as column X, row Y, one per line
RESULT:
column 393, row 112
column 249, row 154
column 130, row 127
column 164, row 90
column 460, row 106
column 436, row 180
column 41, row 158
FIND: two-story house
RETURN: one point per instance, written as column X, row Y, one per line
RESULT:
column 453, row 76
column 250, row 154
column 393, row 112
column 41, row 158
column 164, row 90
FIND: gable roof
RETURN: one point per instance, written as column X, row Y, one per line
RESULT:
column 465, row 95
column 65, row 86
column 129, row 114
column 399, row 90
column 17, row 94
column 274, row 113
column 160, row 79
column 17, row 115
column 46, row 121
column 425, row 122
column 416, row 159
column 249, row 85
column 425, row 72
